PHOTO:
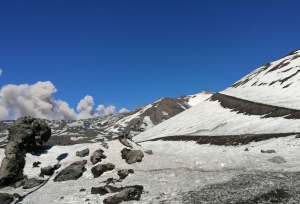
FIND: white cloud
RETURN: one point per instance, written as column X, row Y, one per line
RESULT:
column 0, row 72
column 124, row 110
column 37, row 101
column 106, row 111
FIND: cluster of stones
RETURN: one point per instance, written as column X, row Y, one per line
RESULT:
column 25, row 134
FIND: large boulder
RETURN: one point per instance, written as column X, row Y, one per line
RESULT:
column 30, row 183
column 71, row 172
column 11, row 169
column 25, row 133
column 132, row 156
column 126, row 194
column 101, row 168
column 6, row 198
column 29, row 133
column 97, row 156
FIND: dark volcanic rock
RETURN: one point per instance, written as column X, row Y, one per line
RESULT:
column 30, row 183
column 83, row 153
column 97, row 156
column 123, row 173
column 20, row 183
column 49, row 170
column 105, row 189
column 12, row 169
column 72, row 172
column 149, row 152
column 6, row 198
column 269, row 151
column 101, row 168
column 17, row 196
column 125, row 142
column 36, row 164
column 29, row 133
column 132, row 156
column 25, row 133
column 126, row 194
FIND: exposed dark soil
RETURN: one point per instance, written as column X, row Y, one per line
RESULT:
column 228, row 140
column 253, row 108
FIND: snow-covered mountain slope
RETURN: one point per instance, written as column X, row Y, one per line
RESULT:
column 101, row 128
column 193, row 100
column 210, row 118
column 270, row 106
column 276, row 83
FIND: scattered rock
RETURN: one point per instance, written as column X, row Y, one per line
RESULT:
column 71, row 172
column 101, row 168
column 104, row 144
column 105, row 189
column 124, row 141
column 30, row 183
column 17, row 196
column 149, row 152
column 269, row 151
column 111, row 180
column 36, row 164
column 97, row 156
column 277, row 160
column 126, row 194
column 132, row 156
column 49, row 170
column 246, row 150
column 6, row 198
column 130, row 171
column 123, row 173
column 81, row 190
column 83, row 153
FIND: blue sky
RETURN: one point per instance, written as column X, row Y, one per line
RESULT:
column 128, row 53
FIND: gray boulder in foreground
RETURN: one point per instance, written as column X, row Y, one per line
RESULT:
column 97, row 156
column 29, row 133
column 101, row 168
column 71, row 172
column 30, row 183
column 83, row 153
column 132, row 156
column 25, row 133
column 6, row 198
column 126, row 194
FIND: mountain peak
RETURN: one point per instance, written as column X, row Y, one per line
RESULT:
column 275, row 83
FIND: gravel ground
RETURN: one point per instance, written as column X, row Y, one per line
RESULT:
column 258, row 187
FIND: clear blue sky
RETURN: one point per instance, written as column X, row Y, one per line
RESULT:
column 132, row 52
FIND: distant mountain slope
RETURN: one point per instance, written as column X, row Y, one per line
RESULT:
column 276, row 83
column 105, row 127
column 265, row 101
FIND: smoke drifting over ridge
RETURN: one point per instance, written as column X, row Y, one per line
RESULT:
column 37, row 101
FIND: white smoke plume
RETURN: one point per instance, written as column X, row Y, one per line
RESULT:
column 124, row 110
column 37, row 101
column 106, row 111
column 0, row 72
